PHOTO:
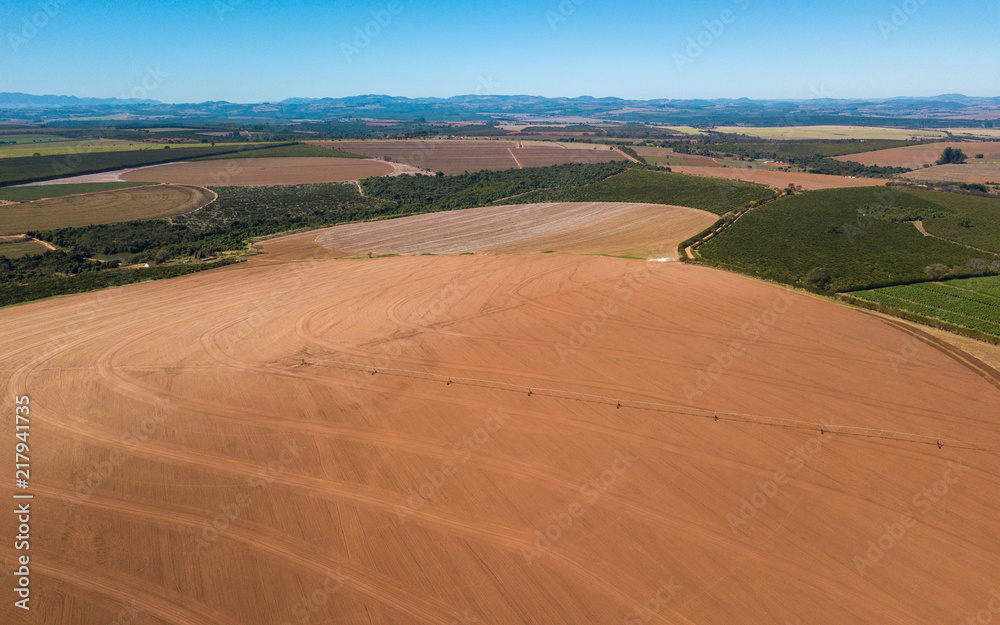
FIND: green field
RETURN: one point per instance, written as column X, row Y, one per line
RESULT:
column 715, row 195
column 792, row 149
column 21, row 248
column 5, row 140
column 972, row 303
column 969, row 219
column 851, row 232
column 27, row 194
column 297, row 150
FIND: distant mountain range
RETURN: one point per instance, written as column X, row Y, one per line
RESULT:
column 901, row 110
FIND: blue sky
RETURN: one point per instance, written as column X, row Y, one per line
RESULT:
column 265, row 50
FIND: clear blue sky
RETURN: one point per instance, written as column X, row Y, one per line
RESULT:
column 266, row 50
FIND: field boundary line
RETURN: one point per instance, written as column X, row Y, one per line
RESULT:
column 707, row 413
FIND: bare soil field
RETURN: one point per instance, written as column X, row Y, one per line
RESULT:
column 255, row 172
column 620, row 229
column 103, row 207
column 972, row 171
column 458, row 156
column 200, row 457
column 779, row 179
column 916, row 156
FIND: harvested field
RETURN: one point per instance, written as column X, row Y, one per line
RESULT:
column 619, row 229
column 160, row 409
column 779, row 179
column 104, row 207
column 972, row 171
column 830, row 132
column 916, row 156
column 255, row 172
column 456, row 157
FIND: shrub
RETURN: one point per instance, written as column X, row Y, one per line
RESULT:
column 818, row 277
column 936, row 272
column 952, row 156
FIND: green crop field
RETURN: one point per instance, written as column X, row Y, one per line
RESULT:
column 968, row 219
column 27, row 194
column 21, row 248
column 969, row 303
column 854, row 233
column 715, row 195
column 800, row 149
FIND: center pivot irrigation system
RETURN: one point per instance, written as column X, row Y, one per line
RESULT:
column 692, row 411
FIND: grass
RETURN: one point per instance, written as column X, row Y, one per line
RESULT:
column 27, row 194
column 297, row 150
column 21, row 248
column 714, row 195
column 145, row 202
column 851, row 232
column 973, row 304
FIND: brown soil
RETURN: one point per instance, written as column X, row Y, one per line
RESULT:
column 457, row 156
column 261, row 171
column 637, row 230
column 161, row 408
column 916, row 156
